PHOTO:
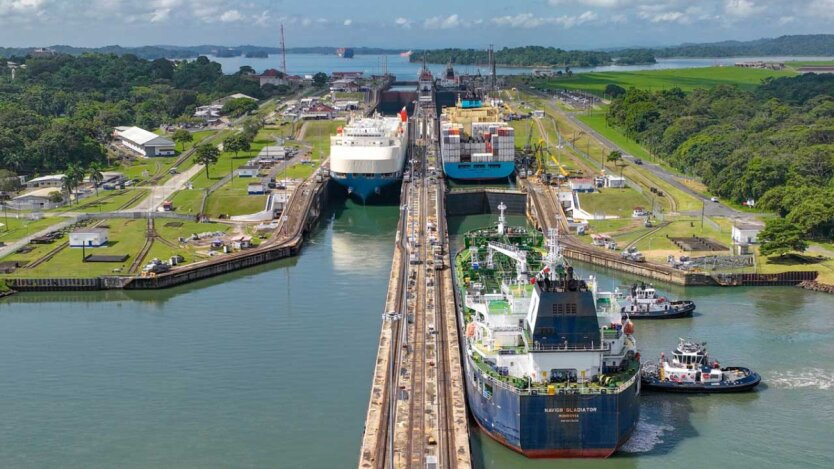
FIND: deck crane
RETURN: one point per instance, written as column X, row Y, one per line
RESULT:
column 519, row 256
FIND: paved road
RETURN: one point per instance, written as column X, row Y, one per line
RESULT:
column 159, row 194
column 710, row 208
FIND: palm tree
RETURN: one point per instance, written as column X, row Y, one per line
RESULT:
column 206, row 155
column 94, row 172
column 72, row 178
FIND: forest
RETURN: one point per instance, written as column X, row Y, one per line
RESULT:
column 774, row 144
column 528, row 56
column 59, row 111
column 796, row 45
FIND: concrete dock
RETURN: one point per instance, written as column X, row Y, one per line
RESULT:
column 417, row 409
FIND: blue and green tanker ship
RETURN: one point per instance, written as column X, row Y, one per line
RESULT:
column 552, row 368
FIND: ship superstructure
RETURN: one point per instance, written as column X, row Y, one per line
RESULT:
column 475, row 144
column 552, row 369
column 368, row 154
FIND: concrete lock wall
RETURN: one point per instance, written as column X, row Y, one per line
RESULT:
column 485, row 201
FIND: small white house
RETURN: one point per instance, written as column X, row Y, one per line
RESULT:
column 247, row 171
column 639, row 212
column 538, row 113
column 615, row 182
column 143, row 142
column 255, row 189
column 582, row 184
column 88, row 237
column 745, row 233
column 242, row 242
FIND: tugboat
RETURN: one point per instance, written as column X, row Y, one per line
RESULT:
column 643, row 303
column 691, row 371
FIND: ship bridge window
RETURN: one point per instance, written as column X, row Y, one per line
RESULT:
column 563, row 375
column 564, row 308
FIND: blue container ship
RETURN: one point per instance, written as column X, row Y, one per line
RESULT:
column 475, row 144
column 551, row 367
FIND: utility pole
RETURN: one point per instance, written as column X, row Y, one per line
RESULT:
column 703, row 207
column 283, row 52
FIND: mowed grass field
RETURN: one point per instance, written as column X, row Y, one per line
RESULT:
column 686, row 79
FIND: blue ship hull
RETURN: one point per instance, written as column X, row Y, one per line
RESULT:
column 553, row 426
column 479, row 171
column 364, row 187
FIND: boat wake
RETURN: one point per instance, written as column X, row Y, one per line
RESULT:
column 813, row 378
column 646, row 437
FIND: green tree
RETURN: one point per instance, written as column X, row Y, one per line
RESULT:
column 238, row 107
column 55, row 197
column 614, row 91
column 780, row 237
column 320, row 79
column 182, row 136
column 616, row 157
column 206, row 155
column 9, row 182
column 94, row 173
column 235, row 144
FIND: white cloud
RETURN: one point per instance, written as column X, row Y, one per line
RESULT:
column 787, row 20
column 529, row 20
column 404, row 23
column 160, row 15
column 439, row 22
column 231, row 16
column 741, row 8
column 348, row 22
column 821, row 9
column 262, row 18
column 593, row 3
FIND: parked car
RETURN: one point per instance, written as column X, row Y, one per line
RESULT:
column 714, row 199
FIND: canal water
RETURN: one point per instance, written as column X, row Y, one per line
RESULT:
column 271, row 367
column 308, row 64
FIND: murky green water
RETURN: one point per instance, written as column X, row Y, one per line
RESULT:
column 271, row 367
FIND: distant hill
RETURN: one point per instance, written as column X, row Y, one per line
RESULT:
column 807, row 44
column 186, row 52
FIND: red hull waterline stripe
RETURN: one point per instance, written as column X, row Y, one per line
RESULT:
column 556, row 453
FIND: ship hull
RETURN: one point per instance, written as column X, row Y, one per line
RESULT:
column 479, row 171
column 554, row 426
column 365, row 188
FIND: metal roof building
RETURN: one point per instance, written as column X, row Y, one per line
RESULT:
column 143, row 142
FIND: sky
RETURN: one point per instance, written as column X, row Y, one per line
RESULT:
column 574, row 24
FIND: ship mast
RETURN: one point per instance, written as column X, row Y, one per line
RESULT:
column 553, row 256
column 502, row 220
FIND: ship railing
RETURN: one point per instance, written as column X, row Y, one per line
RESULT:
column 570, row 348
column 540, row 389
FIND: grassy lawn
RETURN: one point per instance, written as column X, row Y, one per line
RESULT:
column 351, row 96
column 687, row 79
column 173, row 233
column 227, row 161
column 188, row 200
column 596, row 121
column 106, row 201
column 657, row 246
column 618, row 202
column 298, row 171
column 522, row 131
column 16, row 228
column 232, row 199
column 810, row 63
column 318, row 136
column 126, row 237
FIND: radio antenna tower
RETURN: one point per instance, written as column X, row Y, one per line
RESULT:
column 283, row 52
